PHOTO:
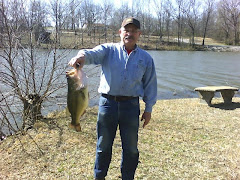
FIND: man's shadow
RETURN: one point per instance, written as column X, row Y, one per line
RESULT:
column 231, row 106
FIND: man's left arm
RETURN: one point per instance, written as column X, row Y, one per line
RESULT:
column 150, row 91
column 146, row 117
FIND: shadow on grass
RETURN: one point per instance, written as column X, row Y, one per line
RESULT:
column 232, row 106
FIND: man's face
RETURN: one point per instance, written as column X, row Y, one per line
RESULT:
column 129, row 35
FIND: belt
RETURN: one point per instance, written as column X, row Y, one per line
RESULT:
column 118, row 98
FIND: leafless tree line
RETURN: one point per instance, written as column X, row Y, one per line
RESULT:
column 218, row 19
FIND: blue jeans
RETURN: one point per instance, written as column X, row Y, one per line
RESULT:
column 110, row 115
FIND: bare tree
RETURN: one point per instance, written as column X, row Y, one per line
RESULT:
column 207, row 14
column 91, row 14
column 107, row 11
column 72, row 10
column 192, row 14
column 80, row 20
column 160, row 16
column 141, row 12
column 230, row 14
column 168, row 8
column 148, row 20
column 179, row 19
column 28, row 75
column 57, row 8
column 164, row 17
column 119, row 15
column 223, row 28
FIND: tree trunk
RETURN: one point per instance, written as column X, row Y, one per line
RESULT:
column 32, row 109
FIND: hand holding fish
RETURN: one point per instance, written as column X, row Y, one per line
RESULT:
column 79, row 59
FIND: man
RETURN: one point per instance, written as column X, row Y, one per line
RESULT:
column 128, row 72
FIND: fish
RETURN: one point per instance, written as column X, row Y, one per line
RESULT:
column 77, row 96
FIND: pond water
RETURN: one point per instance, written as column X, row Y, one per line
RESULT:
column 178, row 73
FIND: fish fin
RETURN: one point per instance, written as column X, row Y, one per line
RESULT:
column 83, row 113
column 80, row 86
column 67, row 112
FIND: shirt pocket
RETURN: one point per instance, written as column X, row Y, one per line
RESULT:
column 138, row 71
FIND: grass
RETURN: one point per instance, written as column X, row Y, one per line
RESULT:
column 70, row 40
column 208, row 41
column 184, row 140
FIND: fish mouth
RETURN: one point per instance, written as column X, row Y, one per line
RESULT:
column 67, row 74
column 70, row 73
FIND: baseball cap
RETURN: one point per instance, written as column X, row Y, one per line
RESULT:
column 131, row 20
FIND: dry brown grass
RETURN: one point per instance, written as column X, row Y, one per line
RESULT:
column 70, row 40
column 208, row 41
column 184, row 140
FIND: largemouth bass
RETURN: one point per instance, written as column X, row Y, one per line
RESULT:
column 77, row 97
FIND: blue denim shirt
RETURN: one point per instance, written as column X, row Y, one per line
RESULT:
column 123, row 74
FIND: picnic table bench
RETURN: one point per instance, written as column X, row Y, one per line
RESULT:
column 207, row 93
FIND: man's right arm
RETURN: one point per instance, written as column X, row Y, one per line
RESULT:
column 90, row 56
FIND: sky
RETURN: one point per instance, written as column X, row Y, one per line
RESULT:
column 116, row 2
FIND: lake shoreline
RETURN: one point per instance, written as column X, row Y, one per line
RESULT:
column 163, row 46
column 213, row 48
column 219, row 48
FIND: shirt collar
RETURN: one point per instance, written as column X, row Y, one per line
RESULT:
column 123, row 47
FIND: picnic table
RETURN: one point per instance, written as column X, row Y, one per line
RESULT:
column 207, row 93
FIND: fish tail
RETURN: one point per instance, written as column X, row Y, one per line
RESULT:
column 76, row 127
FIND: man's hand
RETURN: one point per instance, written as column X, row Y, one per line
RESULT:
column 146, row 117
column 79, row 59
